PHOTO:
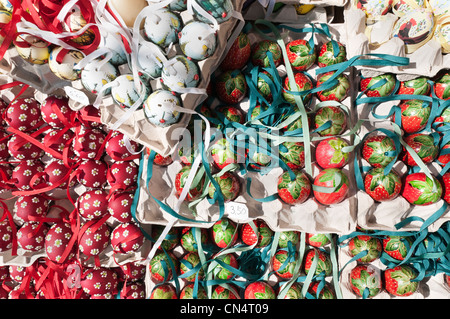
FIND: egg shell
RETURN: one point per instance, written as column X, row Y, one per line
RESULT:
column 17, row 272
column 24, row 172
column 220, row 10
column 172, row 238
column 31, row 207
column 88, row 142
column 94, row 76
column 293, row 154
column 317, row 240
column 161, row 262
column 116, row 147
column 131, row 271
column 303, row 82
column 262, row 239
column 93, row 204
column 179, row 73
column 259, row 290
column 92, row 173
column 189, row 291
column 56, row 112
column 150, row 64
column 323, row 263
column 99, row 280
column 32, row 49
column 57, row 174
column 133, row 290
column 60, row 141
column 114, row 43
column 364, row 277
column 372, row 88
column 300, row 54
column 31, row 236
column 180, row 182
column 223, row 273
column 89, row 117
column 224, row 233
column 164, row 291
column 94, row 241
column 370, row 244
column 188, row 263
column 4, row 151
column 74, row 22
column 197, row 40
column 65, row 69
column 283, row 263
column 159, row 108
column 229, row 185
column 295, row 191
column 334, row 115
column 22, row 149
column 162, row 26
column 259, row 55
column 6, row 236
column 327, row 178
column 57, row 240
column 188, row 239
column 338, row 92
column 125, row 93
column 119, row 206
column 127, row 238
column 24, row 114
column 123, row 175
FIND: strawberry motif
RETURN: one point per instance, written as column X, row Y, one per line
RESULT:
column 293, row 154
column 364, row 277
column 259, row 290
column 443, row 119
column 443, row 158
column 223, row 273
column 283, row 263
column 172, row 238
column 163, row 266
column 223, row 154
column 294, row 291
column 420, row 190
column 317, row 240
column 180, row 181
column 231, row 86
column 397, row 246
column 367, row 243
column 418, row 86
column 263, row 87
column 398, row 280
column 328, row 178
column 164, row 291
column 229, row 185
column 373, row 87
column 338, row 92
column 442, row 87
column 330, row 114
column 329, row 153
column 446, row 184
column 326, row 55
column 187, row 265
column 425, row 147
column 377, row 150
column 300, row 54
column 323, row 264
column 382, row 187
column 304, row 84
column 325, row 292
column 189, row 292
column 414, row 115
column 188, row 238
column 224, row 233
column 229, row 292
column 259, row 55
column 232, row 113
column 262, row 239
column 296, row 191
column 238, row 54
column 288, row 236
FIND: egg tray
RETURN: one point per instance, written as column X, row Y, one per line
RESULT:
column 364, row 38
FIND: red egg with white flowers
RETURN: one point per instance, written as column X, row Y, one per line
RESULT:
column 30, row 208
column 56, row 112
column 6, row 236
column 94, row 241
column 88, row 142
column 123, row 175
column 93, row 204
column 119, row 147
column 127, row 238
column 26, row 174
column 57, row 242
column 92, row 173
column 119, row 206
column 22, row 149
column 31, row 236
column 24, row 114
column 99, row 280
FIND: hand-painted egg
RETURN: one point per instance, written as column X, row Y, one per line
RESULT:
column 131, row 271
column 365, row 281
column 163, row 266
column 219, row 9
column 159, row 108
column 127, row 238
column 329, row 54
column 225, row 292
column 164, row 291
column 333, row 115
column 414, row 29
column 23, row 175
column 397, row 247
column 31, row 236
column 119, row 147
column 293, row 154
column 421, row 190
column 442, row 86
column 263, row 236
column 150, row 64
column 382, row 187
column 229, row 186
column 56, row 243
column 172, row 238
column 364, row 243
column 330, row 154
column 92, row 241
column 238, row 55
column 18, row 272
column 260, row 56
column 89, row 116
column 57, row 174
column 93, row 204
column 402, row 7
column 92, row 173
column 335, row 191
column 378, row 150
column 399, row 281
column 180, row 182
column 323, row 266
column 190, row 267
column 60, row 141
column 74, row 22
column 419, row 86
column 197, row 40
column 6, row 237
column 6, row 5
column 87, row 143
column 424, row 145
column 224, row 233
column 120, row 204
column 64, row 67
column 30, row 207
column 379, row 85
column 225, row 273
column 115, row 46
column 24, row 114
column 231, row 86
column 303, row 84
column 259, row 290
column 317, row 240
column 122, row 175
column 283, row 263
column 300, row 54
column 133, row 290
column 191, row 292
column 125, row 93
column 180, row 73
column 294, row 291
column 288, row 237
column 439, row 7
column 21, row 149
column 374, row 8
column 295, row 191
column 337, row 92
column 223, row 154
column 32, row 49
column 189, row 235
column 162, row 27
column 97, row 74
column 99, row 280
column 56, row 112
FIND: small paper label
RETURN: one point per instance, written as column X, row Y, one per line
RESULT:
column 236, row 210
column 76, row 95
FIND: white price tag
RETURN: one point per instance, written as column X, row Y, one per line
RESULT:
column 76, row 95
column 236, row 210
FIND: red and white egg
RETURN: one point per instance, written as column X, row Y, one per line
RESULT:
column 31, row 236
column 30, row 208
column 24, row 114
column 88, row 142
column 24, row 174
column 21, row 149
column 93, row 204
column 6, row 236
column 131, row 271
column 99, row 281
column 133, row 290
column 94, row 241
column 59, row 140
column 119, row 147
column 57, row 241
column 119, row 206
column 123, row 174
column 127, row 238
column 57, row 174
column 92, row 173
column 56, row 112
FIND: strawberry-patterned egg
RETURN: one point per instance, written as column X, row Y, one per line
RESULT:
column 21, row 149
column 94, row 241
column 119, row 147
column 127, row 238
column 119, row 206
column 6, row 236
column 99, row 280
column 30, row 207
column 123, row 174
column 93, row 204
column 31, row 236
column 163, row 265
column 88, row 142
column 164, row 291
column 24, row 114
column 92, row 173
column 57, row 240
column 24, row 173
column 56, row 112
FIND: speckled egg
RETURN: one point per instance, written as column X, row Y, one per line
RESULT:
column 24, row 114
column 197, row 40
column 94, row 76
column 162, row 26
column 127, row 238
column 93, row 204
column 159, row 108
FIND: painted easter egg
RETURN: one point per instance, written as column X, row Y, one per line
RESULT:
column 162, row 26
column 414, row 115
column 64, row 68
column 223, row 272
column 379, row 85
column 32, row 49
column 417, row 86
column 419, row 189
column 442, row 86
column 399, row 280
column 229, row 185
column 189, row 235
column 197, row 40
column 294, row 191
column 300, row 54
column 330, row 153
column 259, row 290
column 180, row 182
column 330, row 114
column 303, row 84
column 338, row 92
column 327, row 55
column 24, row 114
column 259, row 55
column 220, row 10
column 164, row 291
column 423, row 145
column 288, row 237
column 180, row 73
column 323, row 265
column 397, row 247
column 382, row 187
column 31, row 236
column 336, row 191
column 283, row 263
column 172, row 238
column 190, row 291
column 378, row 150
column 159, row 108
column 191, row 264
column 263, row 236
column 231, row 86
column 125, row 93
column 367, row 243
column 238, row 55
column 127, row 238
column 365, row 280
column 163, row 266
column 94, row 76
column 374, row 8
column 317, row 240
column 222, row 153
column 224, row 233
column 293, row 154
